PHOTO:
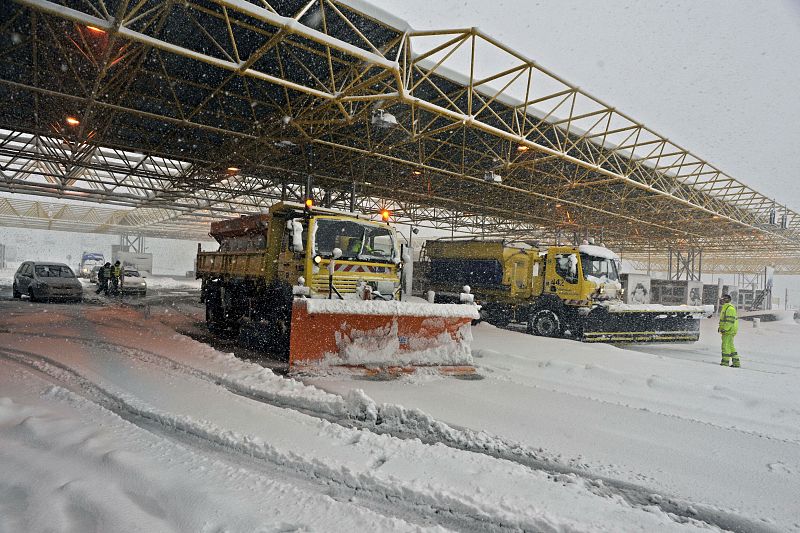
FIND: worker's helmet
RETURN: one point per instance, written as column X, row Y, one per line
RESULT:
column 116, row 263
column 725, row 298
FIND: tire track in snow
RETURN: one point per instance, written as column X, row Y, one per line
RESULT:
column 389, row 500
column 368, row 416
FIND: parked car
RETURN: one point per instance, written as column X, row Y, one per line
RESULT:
column 46, row 281
column 93, row 274
column 133, row 283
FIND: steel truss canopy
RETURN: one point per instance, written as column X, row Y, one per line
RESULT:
column 185, row 111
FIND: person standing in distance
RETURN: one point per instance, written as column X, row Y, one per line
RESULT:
column 116, row 278
column 103, row 276
column 728, row 326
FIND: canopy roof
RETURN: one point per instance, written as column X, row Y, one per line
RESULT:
column 208, row 108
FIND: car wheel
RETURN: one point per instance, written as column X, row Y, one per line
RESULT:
column 545, row 323
column 31, row 295
column 15, row 292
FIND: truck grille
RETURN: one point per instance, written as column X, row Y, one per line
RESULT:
column 343, row 284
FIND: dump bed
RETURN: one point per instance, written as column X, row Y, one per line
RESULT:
column 243, row 250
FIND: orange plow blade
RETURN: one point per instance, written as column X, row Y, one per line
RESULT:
column 381, row 337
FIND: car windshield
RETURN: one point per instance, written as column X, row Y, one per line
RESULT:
column 131, row 274
column 599, row 267
column 54, row 271
column 356, row 240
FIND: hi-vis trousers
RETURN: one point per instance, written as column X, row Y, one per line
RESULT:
column 729, row 351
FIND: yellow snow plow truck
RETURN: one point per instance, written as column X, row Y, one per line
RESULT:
column 562, row 291
column 314, row 286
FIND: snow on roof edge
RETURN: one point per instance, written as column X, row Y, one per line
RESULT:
column 597, row 251
column 372, row 11
column 389, row 308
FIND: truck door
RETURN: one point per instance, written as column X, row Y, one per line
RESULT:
column 520, row 280
column 537, row 276
column 563, row 278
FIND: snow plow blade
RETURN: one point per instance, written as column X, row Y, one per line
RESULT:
column 644, row 323
column 372, row 338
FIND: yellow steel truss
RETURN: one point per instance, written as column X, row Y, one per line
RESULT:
column 223, row 106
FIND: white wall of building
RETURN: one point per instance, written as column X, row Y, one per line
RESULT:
column 170, row 256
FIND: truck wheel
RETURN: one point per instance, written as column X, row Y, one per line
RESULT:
column 279, row 298
column 545, row 323
column 215, row 314
column 15, row 292
column 31, row 295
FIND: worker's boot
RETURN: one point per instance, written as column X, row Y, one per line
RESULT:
column 736, row 363
column 726, row 361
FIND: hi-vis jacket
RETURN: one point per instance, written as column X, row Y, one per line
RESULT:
column 728, row 320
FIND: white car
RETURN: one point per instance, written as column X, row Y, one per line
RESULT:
column 133, row 283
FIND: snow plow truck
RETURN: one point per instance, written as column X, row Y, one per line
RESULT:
column 319, row 288
column 563, row 291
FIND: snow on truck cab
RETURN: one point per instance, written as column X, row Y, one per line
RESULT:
column 268, row 280
column 560, row 291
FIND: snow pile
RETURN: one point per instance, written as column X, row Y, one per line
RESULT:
column 386, row 346
column 389, row 308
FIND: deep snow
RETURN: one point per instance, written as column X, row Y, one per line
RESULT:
column 111, row 420
column 664, row 416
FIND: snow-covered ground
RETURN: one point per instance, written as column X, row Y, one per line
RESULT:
column 110, row 420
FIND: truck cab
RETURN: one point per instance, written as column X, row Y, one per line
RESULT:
column 578, row 275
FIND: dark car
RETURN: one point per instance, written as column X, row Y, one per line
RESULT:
column 47, row 281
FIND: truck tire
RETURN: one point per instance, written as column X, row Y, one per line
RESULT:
column 15, row 292
column 215, row 314
column 545, row 323
column 279, row 299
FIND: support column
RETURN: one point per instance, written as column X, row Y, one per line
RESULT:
column 686, row 265
column 132, row 243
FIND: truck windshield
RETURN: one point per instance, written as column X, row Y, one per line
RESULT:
column 357, row 240
column 599, row 267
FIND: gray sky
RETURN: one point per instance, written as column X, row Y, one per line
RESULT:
column 719, row 77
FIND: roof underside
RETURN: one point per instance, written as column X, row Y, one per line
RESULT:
column 200, row 109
